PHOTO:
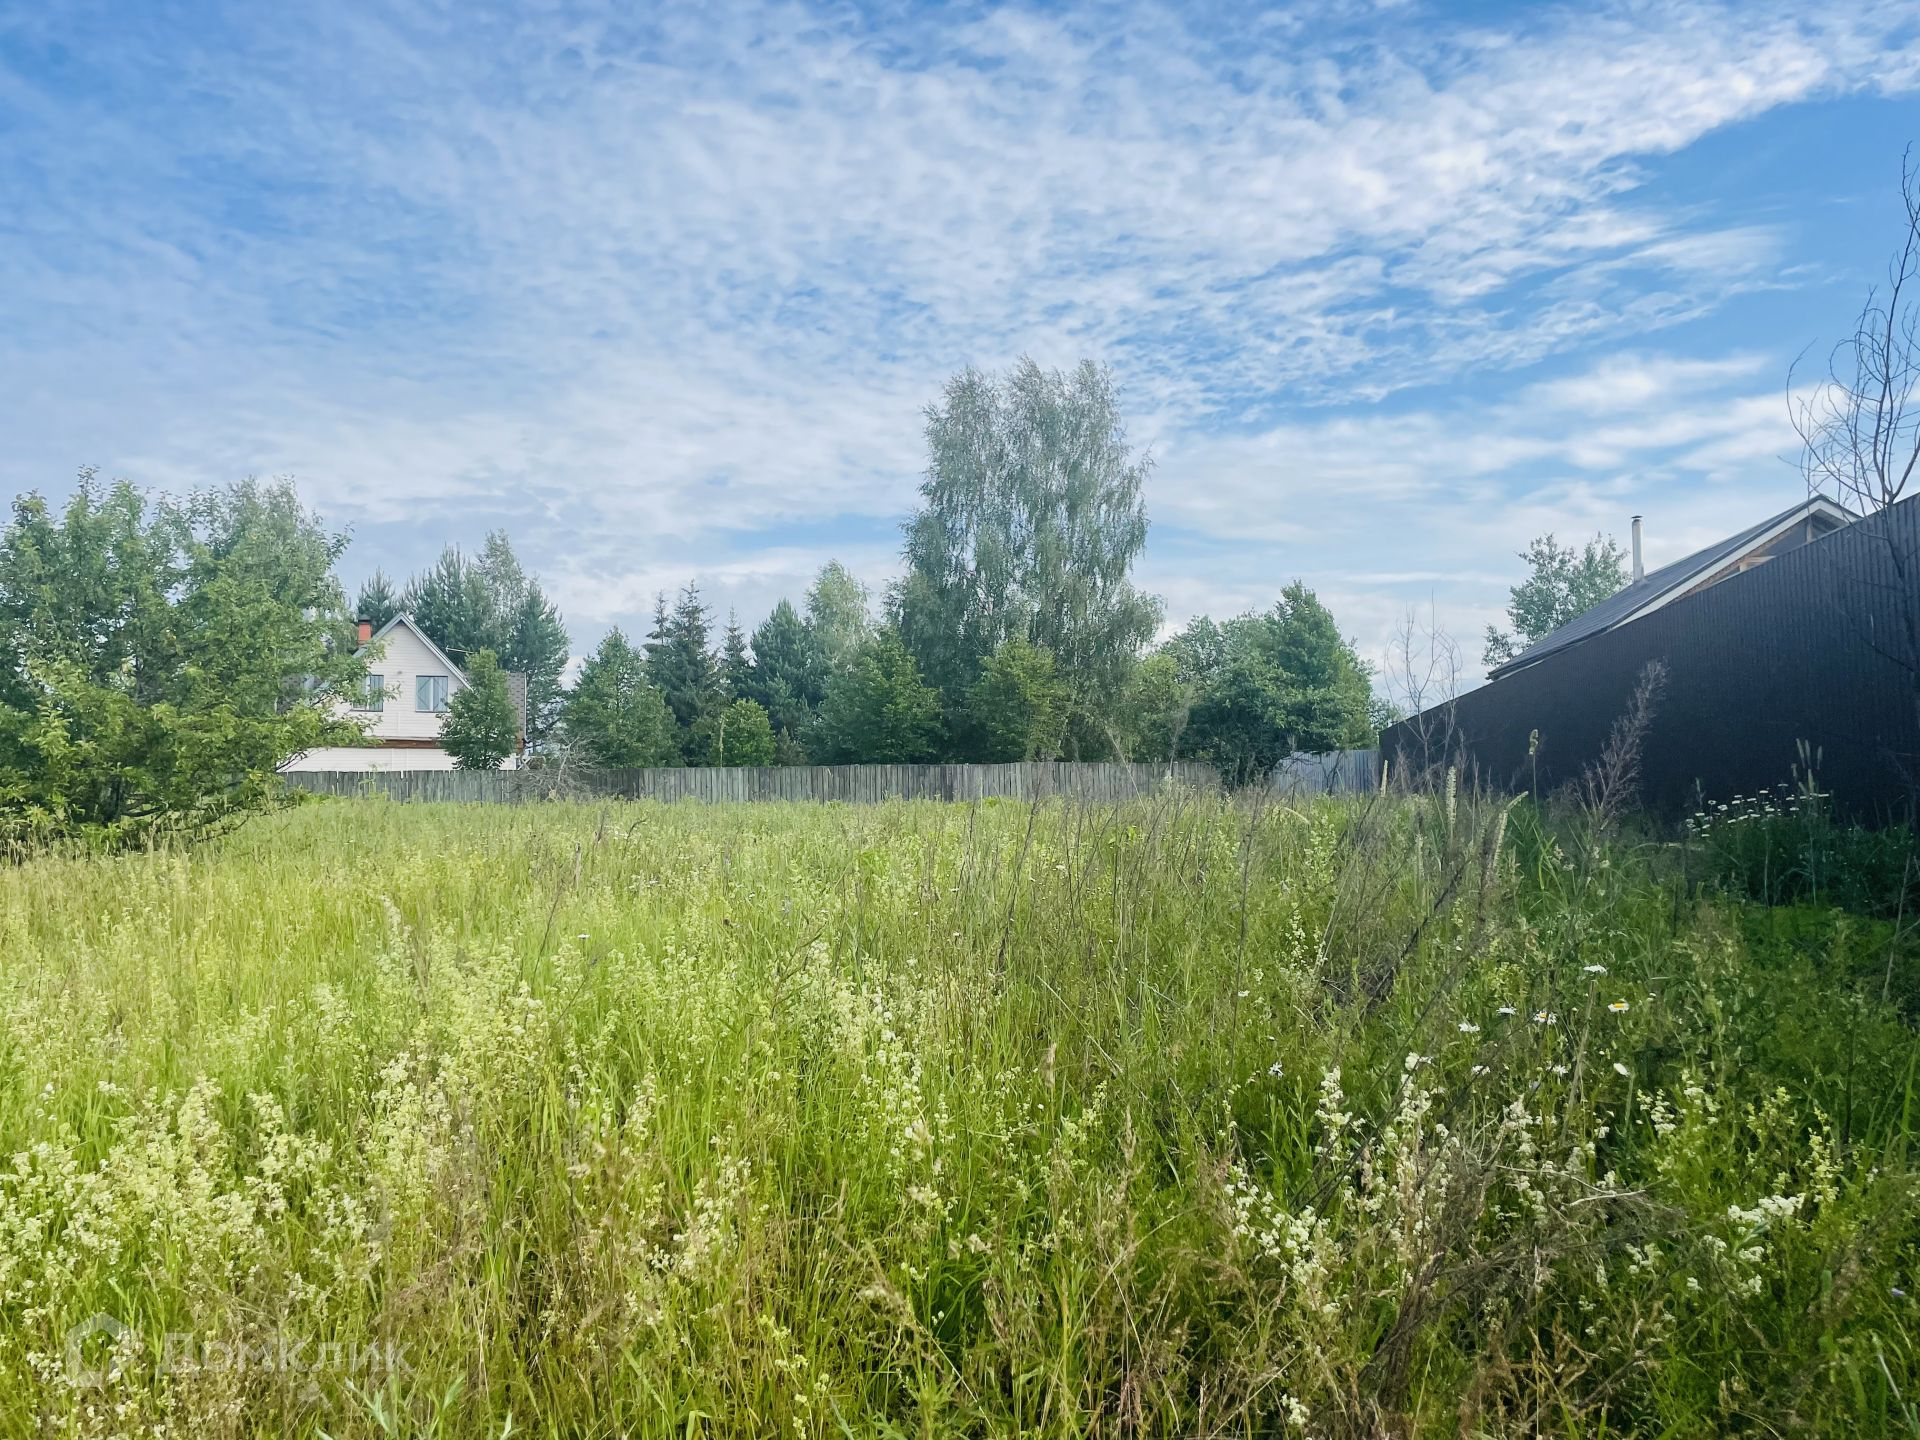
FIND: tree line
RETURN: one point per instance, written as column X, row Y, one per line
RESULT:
column 1015, row 633
column 160, row 658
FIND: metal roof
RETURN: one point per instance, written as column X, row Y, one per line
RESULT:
column 1668, row 582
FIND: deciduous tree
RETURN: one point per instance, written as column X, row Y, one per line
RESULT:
column 1029, row 523
column 838, row 615
column 1270, row 685
column 878, row 711
column 1017, row 709
column 482, row 728
column 1155, row 713
column 734, row 734
column 1561, row 583
column 159, row 661
column 1860, row 435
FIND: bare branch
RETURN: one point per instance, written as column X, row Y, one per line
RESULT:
column 1858, row 429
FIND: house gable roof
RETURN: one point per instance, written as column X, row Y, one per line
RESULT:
column 1670, row 582
column 458, row 675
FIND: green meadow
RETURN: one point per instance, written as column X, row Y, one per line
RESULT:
column 1191, row 1116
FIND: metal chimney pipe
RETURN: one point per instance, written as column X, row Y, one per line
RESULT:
column 1639, row 566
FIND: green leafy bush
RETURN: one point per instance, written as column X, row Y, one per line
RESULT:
column 1783, row 846
column 481, row 729
column 159, row 660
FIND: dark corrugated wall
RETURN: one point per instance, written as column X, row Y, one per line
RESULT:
column 1816, row 646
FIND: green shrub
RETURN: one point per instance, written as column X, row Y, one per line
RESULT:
column 160, row 660
column 1783, row 846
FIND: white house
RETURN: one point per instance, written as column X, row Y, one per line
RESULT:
column 409, row 683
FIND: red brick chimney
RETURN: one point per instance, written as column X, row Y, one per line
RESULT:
column 366, row 631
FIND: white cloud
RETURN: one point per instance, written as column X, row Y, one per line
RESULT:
column 1430, row 507
column 662, row 290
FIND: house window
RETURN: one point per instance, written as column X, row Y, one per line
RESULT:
column 430, row 693
column 373, row 695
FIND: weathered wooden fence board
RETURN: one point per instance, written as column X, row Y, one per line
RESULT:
column 1343, row 772
column 855, row 784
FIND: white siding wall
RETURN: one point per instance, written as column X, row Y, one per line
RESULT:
column 369, row 758
column 372, row 757
column 403, row 658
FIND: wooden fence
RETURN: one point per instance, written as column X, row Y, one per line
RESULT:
column 856, row 784
column 1341, row 772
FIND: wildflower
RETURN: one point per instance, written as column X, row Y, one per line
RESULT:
column 1896, row 1292
column 1507, row 1010
column 1275, row 1070
column 1543, row 1017
column 1622, row 1071
column 1559, row 1069
column 1478, row 1070
column 1467, row 1027
column 1618, row 1006
column 1594, row 969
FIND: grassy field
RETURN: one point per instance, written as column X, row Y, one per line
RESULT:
column 1182, row 1118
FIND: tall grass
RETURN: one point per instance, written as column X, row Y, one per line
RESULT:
column 1187, row 1117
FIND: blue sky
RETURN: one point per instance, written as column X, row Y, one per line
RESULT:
column 1387, row 288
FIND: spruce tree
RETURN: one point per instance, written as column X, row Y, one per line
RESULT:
column 378, row 601
column 466, row 605
column 878, row 711
column 789, row 673
column 614, row 718
column 736, row 667
column 680, row 659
